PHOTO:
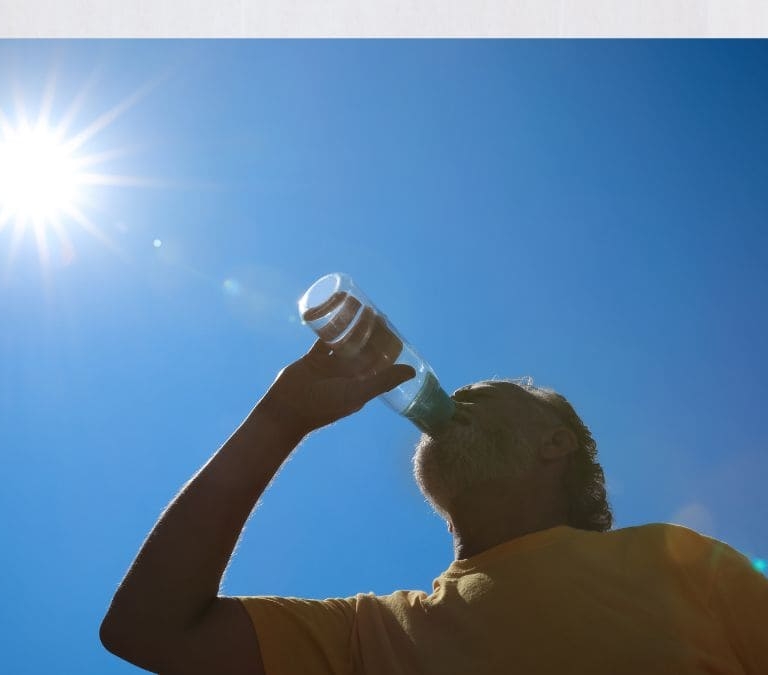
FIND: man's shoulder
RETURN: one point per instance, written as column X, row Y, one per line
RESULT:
column 660, row 531
column 401, row 598
column 675, row 543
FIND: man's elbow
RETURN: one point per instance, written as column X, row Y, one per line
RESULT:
column 116, row 638
column 109, row 634
column 121, row 639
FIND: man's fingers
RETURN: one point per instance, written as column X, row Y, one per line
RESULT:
column 375, row 385
column 319, row 350
column 397, row 375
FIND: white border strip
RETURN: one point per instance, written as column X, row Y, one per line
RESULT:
column 384, row 18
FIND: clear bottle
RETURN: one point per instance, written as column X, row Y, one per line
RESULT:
column 345, row 319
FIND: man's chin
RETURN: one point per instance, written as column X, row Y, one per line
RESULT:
column 437, row 484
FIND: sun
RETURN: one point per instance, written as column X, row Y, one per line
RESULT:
column 47, row 172
column 39, row 176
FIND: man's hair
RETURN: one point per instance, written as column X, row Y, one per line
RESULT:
column 588, row 507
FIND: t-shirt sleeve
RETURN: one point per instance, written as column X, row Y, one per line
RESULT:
column 740, row 597
column 303, row 637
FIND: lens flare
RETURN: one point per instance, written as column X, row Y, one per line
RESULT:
column 231, row 287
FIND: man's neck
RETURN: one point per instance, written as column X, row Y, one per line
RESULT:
column 468, row 546
column 486, row 520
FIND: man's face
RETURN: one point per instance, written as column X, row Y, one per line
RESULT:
column 495, row 443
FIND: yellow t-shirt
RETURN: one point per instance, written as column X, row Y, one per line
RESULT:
column 652, row 599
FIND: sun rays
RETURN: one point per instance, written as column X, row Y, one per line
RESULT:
column 48, row 172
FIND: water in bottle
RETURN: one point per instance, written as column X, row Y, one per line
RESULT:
column 353, row 327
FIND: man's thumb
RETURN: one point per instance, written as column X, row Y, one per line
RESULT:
column 396, row 375
column 386, row 380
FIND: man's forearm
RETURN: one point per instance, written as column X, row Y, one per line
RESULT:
column 178, row 570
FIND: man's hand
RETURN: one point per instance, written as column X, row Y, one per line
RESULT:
column 322, row 387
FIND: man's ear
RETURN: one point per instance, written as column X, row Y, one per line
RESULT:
column 557, row 444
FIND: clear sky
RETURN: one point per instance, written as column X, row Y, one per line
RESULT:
column 591, row 213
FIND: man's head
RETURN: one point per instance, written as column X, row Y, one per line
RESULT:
column 515, row 435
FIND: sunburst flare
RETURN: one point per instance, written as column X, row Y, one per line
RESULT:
column 46, row 172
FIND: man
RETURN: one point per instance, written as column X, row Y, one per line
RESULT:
column 539, row 584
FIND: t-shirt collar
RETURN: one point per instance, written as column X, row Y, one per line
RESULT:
column 526, row 542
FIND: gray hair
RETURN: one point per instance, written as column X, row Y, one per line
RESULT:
column 588, row 507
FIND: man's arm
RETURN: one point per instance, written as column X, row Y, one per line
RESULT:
column 166, row 615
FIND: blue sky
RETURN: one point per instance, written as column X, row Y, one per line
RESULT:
column 591, row 213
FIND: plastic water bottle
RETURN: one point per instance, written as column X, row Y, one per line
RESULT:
column 345, row 319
